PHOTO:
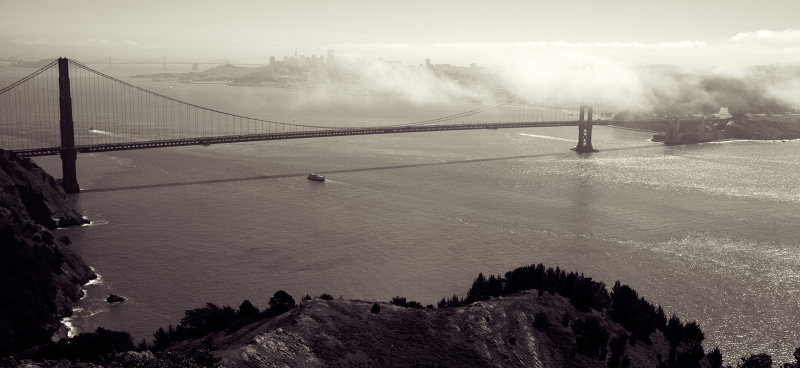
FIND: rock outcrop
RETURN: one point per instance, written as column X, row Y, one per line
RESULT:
column 27, row 190
column 46, row 271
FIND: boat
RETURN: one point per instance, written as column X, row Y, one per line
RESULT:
column 315, row 176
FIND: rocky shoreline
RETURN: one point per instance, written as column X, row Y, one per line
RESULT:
column 47, row 272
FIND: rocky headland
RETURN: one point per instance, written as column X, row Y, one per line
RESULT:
column 774, row 127
column 40, row 275
column 782, row 127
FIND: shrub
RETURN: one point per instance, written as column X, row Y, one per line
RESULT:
column 413, row 304
column 326, row 297
column 375, row 308
column 674, row 330
column 540, row 321
column 281, row 302
column 761, row 360
column 401, row 302
column 209, row 319
column 247, row 310
column 591, row 337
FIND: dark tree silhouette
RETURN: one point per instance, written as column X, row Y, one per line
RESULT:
column 280, row 303
column 761, row 360
column 247, row 310
column 591, row 337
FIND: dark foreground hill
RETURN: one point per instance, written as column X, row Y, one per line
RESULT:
column 40, row 276
column 521, row 330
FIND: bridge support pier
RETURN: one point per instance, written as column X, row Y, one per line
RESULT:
column 69, row 154
column 673, row 135
column 69, row 182
column 584, row 131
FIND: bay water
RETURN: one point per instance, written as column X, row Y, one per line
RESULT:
column 708, row 231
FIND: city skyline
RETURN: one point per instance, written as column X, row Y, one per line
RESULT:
column 712, row 33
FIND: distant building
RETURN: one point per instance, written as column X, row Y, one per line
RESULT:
column 427, row 63
column 723, row 113
column 331, row 57
column 272, row 61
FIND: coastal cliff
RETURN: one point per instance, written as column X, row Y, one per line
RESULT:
column 40, row 275
column 765, row 128
column 776, row 127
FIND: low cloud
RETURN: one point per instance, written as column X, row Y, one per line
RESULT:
column 638, row 45
column 785, row 36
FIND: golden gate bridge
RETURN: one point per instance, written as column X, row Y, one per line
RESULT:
column 96, row 113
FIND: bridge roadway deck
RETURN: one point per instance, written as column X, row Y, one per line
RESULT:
column 54, row 151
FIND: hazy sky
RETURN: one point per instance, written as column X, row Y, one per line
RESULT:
column 684, row 32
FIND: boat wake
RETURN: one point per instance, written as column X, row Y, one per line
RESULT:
column 548, row 137
column 95, row 131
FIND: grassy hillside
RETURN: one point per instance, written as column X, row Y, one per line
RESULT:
column 499, row 332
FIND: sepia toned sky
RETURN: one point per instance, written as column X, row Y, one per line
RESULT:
column 682, row 32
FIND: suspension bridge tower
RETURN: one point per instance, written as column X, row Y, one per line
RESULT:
column 585, row 130
column 585, row 121
column 68, row 152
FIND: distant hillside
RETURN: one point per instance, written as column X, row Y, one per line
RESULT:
column 768, row 128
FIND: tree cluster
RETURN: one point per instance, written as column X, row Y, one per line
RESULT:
column 583, row 292
column 636, row 314
column 401, row 302
column 212, row 318
column 591, row 337
column 623, row 305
